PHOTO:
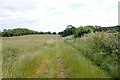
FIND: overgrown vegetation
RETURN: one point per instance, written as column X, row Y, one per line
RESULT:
column 98, row 44
column 45, row 56
column 101, row 48
column 85, row 52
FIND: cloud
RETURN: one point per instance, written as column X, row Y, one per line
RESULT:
column 75, row 6
column 55, row 15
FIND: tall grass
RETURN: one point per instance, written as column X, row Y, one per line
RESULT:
column 22, row 56
column 47, row 56
column 77, row 66
column 101, row 48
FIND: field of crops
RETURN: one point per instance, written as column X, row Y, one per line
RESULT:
column 46, row 56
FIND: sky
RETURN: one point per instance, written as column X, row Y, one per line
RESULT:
column 55, row 15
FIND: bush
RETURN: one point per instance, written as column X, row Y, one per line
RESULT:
column 104, row 48
column 80, row 31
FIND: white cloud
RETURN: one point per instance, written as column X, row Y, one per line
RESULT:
column 55, row 15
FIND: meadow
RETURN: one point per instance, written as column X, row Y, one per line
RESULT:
column 49, row 56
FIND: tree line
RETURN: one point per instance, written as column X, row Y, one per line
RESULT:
column 21, row 31
column 80, row 31
column 70, row 30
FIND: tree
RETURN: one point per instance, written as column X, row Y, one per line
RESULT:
column 60, row 33
column 80, row 31
column 17, row 32
column 48, row 32
column 98, row 29
column 41, row 32
column 68, row 31
column 54, row 33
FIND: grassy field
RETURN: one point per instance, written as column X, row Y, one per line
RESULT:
column 45, row 56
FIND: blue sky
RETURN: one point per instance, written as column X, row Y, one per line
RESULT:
column 55, row 15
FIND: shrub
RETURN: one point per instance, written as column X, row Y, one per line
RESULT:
column 101, row 48
column 80, row 31
column 104, row 48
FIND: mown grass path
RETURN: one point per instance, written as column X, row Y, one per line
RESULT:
column 45, row 56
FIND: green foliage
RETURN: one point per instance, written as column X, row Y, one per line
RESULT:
column 60, row 33
column 68, row 31
column 21, row 31
column 105, row 51
column 45, row 56
column 101, row 48
column 16, row 32
column 48, row 32
column 41, row 32
column 107, row 29
column 80, row 31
